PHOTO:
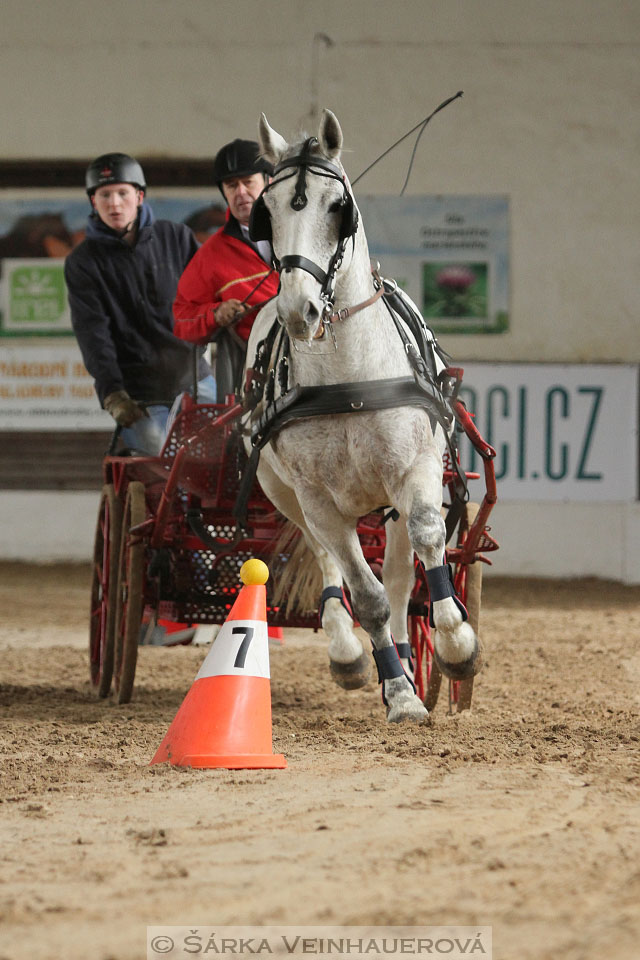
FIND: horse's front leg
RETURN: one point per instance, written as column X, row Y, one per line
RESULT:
column 398, row 576
column 370, row 605
column 455, row 642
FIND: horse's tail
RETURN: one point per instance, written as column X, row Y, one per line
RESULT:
column 299, row 579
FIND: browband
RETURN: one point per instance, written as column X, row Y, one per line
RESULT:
column 304, row 160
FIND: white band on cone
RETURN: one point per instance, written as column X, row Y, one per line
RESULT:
column 240, row 649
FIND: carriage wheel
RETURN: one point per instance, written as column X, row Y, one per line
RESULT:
column 104, row 590
column 433, row 686
column 130, row 599
column 468, row 581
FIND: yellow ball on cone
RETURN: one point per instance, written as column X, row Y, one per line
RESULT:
column 254, row 572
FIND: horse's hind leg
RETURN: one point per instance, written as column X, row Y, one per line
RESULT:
column 371, row 606
column 350, row 666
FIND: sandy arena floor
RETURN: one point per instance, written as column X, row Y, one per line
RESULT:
column 523, row 815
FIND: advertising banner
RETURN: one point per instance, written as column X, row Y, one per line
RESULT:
column 33, row 298
column 38, row 228
column 561, row 432
column 450, row 254
column 45, row 386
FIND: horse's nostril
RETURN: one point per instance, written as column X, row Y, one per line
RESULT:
column 311, row 311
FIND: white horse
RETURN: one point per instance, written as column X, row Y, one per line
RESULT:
column 324, row 472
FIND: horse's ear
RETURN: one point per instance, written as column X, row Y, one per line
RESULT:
column 272, row 145
column 330, row 135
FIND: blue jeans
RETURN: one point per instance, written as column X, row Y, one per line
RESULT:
column 147, row 435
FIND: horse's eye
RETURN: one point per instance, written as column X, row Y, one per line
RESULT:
column 335, row 207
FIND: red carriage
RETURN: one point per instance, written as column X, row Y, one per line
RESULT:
column 169, row 546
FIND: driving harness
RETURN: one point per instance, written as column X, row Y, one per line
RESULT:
column 260, row 222
column 430, row 388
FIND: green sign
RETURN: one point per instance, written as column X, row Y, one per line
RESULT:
column 34, row 298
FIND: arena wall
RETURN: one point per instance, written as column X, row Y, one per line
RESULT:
column 549, row 117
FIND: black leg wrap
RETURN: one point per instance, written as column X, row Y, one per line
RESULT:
column 338, row 594
column 440, row 583
column 405, row 652
column 389, row 667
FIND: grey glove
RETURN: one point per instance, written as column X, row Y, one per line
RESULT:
column 123, row 409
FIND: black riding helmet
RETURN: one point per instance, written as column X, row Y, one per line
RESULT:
column 113, row 168
column 240, row 158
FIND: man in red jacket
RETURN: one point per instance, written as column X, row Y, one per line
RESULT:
column 230, row 276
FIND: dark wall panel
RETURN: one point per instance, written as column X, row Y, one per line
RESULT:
column 44, row 460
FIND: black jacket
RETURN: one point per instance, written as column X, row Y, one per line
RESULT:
column 121, row 308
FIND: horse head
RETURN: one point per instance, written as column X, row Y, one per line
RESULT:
column 308, row 213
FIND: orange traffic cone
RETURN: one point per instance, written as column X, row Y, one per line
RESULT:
column 225, row 719
column 275, row 633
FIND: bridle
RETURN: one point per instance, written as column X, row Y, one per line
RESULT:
column 301, row 165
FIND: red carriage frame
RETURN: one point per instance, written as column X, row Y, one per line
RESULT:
column 168, row 546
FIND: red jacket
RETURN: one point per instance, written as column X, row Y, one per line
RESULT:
column 226, row 267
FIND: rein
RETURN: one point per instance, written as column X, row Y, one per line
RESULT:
column 345, row 312
column 257, row 306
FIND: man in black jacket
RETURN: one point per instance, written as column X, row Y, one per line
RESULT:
column 122, row 281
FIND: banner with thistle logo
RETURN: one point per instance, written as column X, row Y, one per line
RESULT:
column 449, row 253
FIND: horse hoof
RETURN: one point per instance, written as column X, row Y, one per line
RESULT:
column 463, row 669
column 351, row 676
column 412, row 709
